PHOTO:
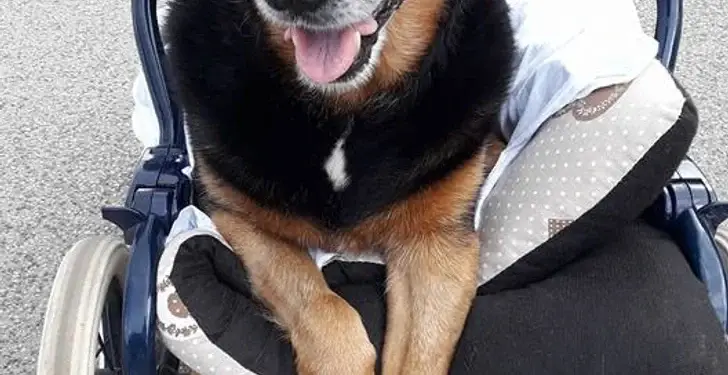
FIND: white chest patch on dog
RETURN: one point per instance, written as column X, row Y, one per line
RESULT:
column 335, row 166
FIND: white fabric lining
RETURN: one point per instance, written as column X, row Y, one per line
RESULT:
column 566, row 49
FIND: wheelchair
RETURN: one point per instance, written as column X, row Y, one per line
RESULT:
column 101, row 312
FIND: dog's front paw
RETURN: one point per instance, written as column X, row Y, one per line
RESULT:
column 330, row 339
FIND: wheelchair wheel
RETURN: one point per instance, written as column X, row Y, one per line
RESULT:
column 82, row 328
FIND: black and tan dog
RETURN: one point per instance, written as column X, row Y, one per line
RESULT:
column 347, row 125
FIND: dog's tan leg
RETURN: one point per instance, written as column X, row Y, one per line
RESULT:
column 398, row 320
column 327, row 334
column 431, row 283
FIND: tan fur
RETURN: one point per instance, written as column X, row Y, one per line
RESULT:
column 437, row 206
column 409, row 34
column 432, row 260
column 320, row 324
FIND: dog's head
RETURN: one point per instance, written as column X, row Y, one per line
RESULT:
column 338, row 43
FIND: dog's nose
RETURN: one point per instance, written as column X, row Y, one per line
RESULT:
column 296, row 6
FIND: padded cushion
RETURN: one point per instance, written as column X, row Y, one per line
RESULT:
column 589, row 172
column 180, row 331
column 630, row 136
column 631, row 306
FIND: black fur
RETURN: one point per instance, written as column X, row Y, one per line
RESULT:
column 269, row 136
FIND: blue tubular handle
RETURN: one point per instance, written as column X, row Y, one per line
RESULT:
column 151, row 53
column 139, row 308
column 668, row 31
column 691, row 233
column 157, row 192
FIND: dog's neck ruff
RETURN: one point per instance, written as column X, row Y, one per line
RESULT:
column 265, row 134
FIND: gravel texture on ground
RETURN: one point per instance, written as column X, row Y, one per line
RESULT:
column 66, row 70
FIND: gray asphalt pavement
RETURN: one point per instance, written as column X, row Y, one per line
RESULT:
column 66, row 146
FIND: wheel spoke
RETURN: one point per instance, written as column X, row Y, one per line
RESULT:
column 100, row 341
column 111, row 322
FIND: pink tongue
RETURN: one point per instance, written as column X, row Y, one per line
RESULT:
column 325, row 56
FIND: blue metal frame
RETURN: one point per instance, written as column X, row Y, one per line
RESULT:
column 151, row 53
column 688, row 208
column 668, row 31
column 159, row 190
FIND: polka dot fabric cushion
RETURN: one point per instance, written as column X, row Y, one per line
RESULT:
column 574, row 161
column 181, row 333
